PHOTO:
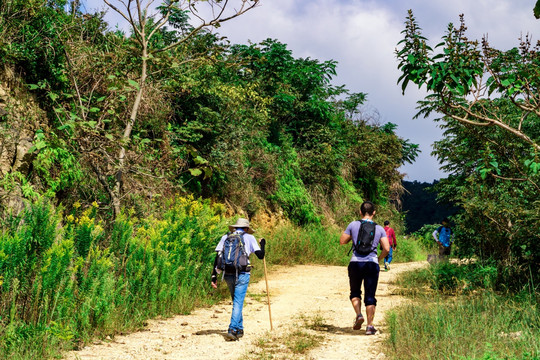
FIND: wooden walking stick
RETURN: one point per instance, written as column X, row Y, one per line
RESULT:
column 267, row 293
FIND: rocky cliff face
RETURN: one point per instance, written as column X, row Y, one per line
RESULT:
column 20, row 118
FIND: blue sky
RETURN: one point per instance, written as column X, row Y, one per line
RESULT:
column 362, row 36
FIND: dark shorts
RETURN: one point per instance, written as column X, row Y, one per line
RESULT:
column 444, row 250
column 368, row 273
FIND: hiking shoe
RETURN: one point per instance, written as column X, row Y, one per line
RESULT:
column 231, row 335
column 239, row 333
column 358, row 322
column 387, row 267
column 370, row 330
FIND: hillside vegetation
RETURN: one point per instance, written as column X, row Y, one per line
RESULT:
column 490, row 114
column 247, row 124
column 124, row 155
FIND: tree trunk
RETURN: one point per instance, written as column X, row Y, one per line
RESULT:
column 117, row 191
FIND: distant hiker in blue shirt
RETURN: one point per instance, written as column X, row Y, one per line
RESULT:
column 232, row 260
column 364, row 267
column 444, row 237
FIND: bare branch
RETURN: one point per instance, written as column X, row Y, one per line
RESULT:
column 117, row 10
column 490, row 121
column 142, row 20
column 194, row 11
column 128, row 18
column 243, row 9
column 79, row 97
column 150, row 2
column 507, row 178
column 466, row 121
column 161, row 22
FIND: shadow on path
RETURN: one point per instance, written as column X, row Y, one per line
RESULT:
column 339, row 330
column 210, row 332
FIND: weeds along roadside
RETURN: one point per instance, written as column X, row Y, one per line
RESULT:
column 64, row 280
column 457, row 314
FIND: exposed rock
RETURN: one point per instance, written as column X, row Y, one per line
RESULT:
column 23, row 158
column 20, row 118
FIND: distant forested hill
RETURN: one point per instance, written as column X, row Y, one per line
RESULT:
column 421, row 207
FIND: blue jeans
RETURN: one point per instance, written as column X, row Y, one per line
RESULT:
column 237, row 288
column 388, row 258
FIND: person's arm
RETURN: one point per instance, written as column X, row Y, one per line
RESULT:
column 395, row 239
column 436, row 236
column 385, row 244
column 344, row 239
column 214, row 272
column 260, row 253
column 219, row 249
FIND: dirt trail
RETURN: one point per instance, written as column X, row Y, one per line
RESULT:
column 295, row 291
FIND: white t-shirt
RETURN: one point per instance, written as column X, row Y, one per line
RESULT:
column 249, row 241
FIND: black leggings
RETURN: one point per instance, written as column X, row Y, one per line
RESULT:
column 368, row 272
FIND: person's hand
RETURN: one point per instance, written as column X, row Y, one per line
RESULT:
column 262, row 241
column 214, row 281
column 214, row 285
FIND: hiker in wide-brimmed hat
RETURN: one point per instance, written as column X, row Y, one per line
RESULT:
column 232, row 260
column 241, row 223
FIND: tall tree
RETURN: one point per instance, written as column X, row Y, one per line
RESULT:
column 463, row 75
column 145, row 24
column 490, row 103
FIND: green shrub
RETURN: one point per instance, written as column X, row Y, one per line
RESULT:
column 451, row 278
column 425, row 236
column 292, row 195
column 408, row 249
column 289, row 244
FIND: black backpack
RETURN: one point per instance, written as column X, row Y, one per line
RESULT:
column 364, row 240
column 233, row 258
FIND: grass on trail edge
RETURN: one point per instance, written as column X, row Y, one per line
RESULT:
column 467, row 323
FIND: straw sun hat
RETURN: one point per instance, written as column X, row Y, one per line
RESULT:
column 241, row 223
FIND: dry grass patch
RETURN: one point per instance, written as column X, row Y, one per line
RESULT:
column 295, row 342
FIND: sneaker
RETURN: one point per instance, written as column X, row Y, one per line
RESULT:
column 239, row 333
column 231, row 335
column 370, row 330
column 387, row 267
column 358, row 321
